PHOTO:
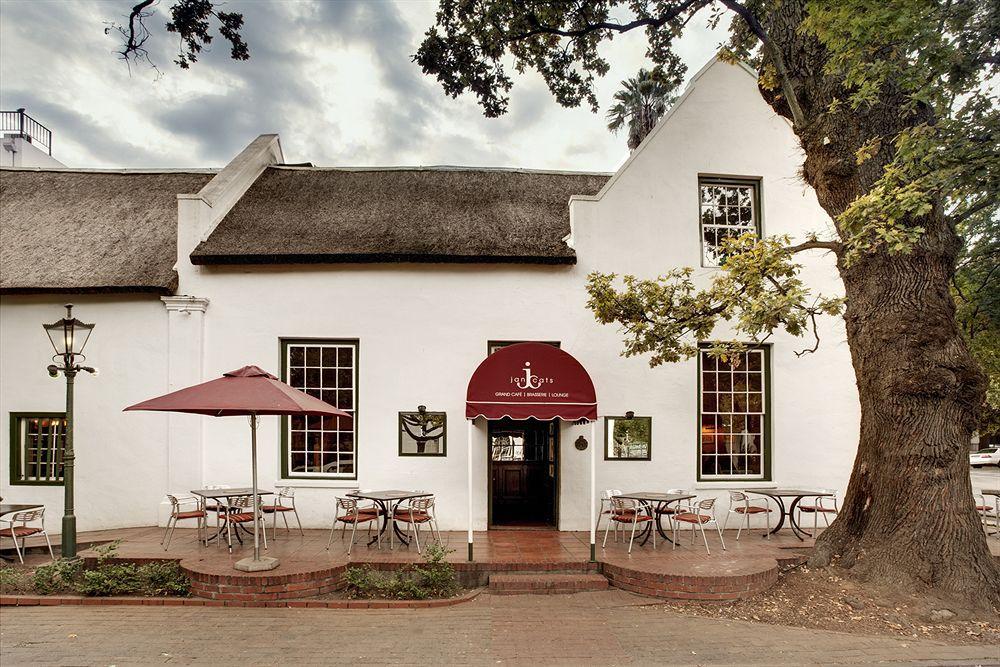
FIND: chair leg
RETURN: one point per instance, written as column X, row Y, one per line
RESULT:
column 635, row 520
column 721, row 539
column 16, row 548
column 284, row 517
column 298, row 521
column 416, row 535
column 606, row 531
column 744, row 523
column 767, row 517
column 229, row 534
column 166, row 531
column 674, row 541
column 171, row 525
column 704, row 538
column 49, row 544
column 354, row 529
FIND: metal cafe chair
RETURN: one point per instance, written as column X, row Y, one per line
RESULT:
column 349, row 513
column 218, row 508
column 605, row 507
column 416, row 513
column 823, row 505
column 699, row 516
column 238, row 516
column 984, row 514
column 670, row 509
column 18, row 528
column 179, row 513
column 742, row 506
column 284, row 503
column 628, row 512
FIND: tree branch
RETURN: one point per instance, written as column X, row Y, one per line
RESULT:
column 798, row 117
column 655, row 22
column 832, row 246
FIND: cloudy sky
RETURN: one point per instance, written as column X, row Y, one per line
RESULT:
column 333, row 77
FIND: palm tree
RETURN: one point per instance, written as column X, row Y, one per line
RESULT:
column 641, row 102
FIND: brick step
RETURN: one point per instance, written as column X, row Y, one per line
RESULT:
column 545, row 583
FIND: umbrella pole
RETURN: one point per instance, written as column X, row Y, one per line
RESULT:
column 256, row 497
column 256, row 563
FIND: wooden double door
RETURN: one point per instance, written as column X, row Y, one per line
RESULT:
column 523, row 473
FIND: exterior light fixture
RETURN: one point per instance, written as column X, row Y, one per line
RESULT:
column 68, row 337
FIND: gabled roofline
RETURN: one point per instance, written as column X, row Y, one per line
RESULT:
column 447, row 167
column 660, row 124
column 123, row 172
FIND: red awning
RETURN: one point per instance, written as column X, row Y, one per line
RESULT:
column 531, row 380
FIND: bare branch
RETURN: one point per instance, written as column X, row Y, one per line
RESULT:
column 832, row 246
column 655, row 22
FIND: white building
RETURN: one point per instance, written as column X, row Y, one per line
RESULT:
column 382, row 290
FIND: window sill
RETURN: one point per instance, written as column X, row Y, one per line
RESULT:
column 736, row 485
column 318, row 483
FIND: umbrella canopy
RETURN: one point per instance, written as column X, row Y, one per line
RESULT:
column 247, row 391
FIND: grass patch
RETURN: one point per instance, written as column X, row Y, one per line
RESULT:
column 435, row 578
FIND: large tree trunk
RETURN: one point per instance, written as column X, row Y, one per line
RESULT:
column 908, row 518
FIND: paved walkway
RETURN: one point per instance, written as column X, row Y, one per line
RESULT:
column 609, row 627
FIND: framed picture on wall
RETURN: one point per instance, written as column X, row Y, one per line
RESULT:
column 628, row 438
column 423, row 433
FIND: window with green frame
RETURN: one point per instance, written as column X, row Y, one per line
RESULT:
column 321, row 447
column 37, row 444
column 734, row 416
column 728, row 208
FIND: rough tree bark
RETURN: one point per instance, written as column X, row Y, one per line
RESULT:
column 908, row 518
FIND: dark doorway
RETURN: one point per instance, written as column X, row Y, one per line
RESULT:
column 523, row 473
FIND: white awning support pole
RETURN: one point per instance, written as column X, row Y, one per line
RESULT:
column 593, row 491
column 469, row 421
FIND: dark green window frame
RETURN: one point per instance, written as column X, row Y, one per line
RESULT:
column 284, row 345
column 443, row 438
column 607, row 439
column 494, row 345
column 755, row 183
column 768, row 445
column 17, row 451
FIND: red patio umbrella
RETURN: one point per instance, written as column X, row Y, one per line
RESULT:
column 249, row 391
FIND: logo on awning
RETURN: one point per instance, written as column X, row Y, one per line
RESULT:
column 530, row 380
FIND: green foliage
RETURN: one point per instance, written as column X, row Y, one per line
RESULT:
column 59, row 576
column 758, row 291
column 434, row 579
column 108, row 577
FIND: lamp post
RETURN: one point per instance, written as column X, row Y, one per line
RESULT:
column 68, row 336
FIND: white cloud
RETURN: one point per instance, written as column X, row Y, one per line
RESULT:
column 334, row 79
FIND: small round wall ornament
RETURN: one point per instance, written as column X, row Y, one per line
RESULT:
column 581, row 443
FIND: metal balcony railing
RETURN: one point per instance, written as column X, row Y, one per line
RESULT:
column 18, row 123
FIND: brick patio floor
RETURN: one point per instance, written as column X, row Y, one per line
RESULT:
column 609, row 627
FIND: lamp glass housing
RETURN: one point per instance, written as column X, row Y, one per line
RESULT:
column 69, row 335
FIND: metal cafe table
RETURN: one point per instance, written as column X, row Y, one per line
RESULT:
column 6, row 509
column 221, row 498
column 662, row 500
column 387, row 502
column 796, row 495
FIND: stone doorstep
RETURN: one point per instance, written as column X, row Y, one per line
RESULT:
column 545, row 583
column 58, row 600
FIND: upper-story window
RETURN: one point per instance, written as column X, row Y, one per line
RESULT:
column 729, row 208
column 317, row 446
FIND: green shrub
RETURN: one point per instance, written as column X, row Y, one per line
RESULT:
column 59, row 576
column 110, row 579
column 435, row 579
column 164, row 578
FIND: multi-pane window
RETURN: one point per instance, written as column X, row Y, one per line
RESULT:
column 734, row 415
column 38, row 441
column 321, row 446
column 729, row 209
column 494, row 345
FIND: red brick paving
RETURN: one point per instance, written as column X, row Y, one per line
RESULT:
column 609, row 627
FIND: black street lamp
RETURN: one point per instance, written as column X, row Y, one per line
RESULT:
column 69, row 336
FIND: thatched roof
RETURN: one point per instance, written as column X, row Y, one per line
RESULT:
column 444, row 214
column 90, row 231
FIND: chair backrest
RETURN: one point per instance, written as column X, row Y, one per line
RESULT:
column 241, row 501
column 611, row 493
column 706, row 504
column 176, row 500
column 29, row 515
column 625, row 503
column 422, row 504
column 286, row 492
column 738, row 497
column 349, row 505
